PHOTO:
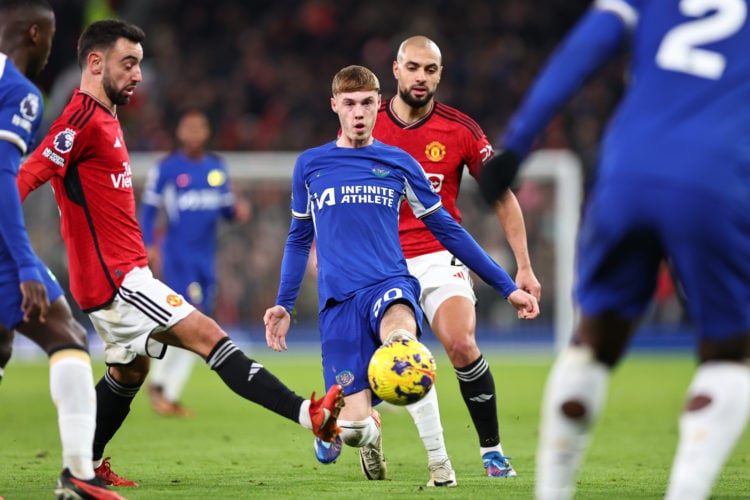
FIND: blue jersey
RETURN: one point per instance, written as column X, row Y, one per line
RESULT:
column 195, row 194
column 674, row 175
column 351, row 198
column 20, row 115
column 684, row 117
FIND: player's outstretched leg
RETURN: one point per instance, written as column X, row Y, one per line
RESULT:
column 263, row 388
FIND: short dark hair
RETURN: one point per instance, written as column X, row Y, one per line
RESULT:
column 354, row 79
column 104, row 35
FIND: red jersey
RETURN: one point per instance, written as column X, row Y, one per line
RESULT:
column 84, row 154
column 443, row 142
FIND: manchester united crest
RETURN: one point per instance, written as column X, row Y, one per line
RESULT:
column 435, row 151
column 174, row 300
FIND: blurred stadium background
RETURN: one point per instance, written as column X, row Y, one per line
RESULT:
column 262, row 70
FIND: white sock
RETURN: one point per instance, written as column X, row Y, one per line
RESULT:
column 708, row 435
column 576, row 376
column 426, row 415
column 72, row 390
column 359, row 433
column 304, row 415
column 172, row 372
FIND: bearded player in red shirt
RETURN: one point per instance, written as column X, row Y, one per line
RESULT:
column 136, row 315
column 444, row 140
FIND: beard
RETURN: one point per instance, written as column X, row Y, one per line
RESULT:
column 117, row 97
column 413, row 101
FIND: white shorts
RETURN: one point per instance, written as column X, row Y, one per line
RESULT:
column 143, row 306
column 441, row 276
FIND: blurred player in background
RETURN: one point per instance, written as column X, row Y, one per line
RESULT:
column 192, row 186
column 347, row 195
column 136, row 315
column 31, row 300
column 444, row 141
column 672, row 183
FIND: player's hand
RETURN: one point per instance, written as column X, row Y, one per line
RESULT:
column 525, row 303
column 498, row 175
column 35, row 302
column 277, row 322
column 526, row 280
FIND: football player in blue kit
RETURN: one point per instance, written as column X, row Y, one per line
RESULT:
column 192, row 185
column 673, row 182
column 346, row 195
column 31, row 300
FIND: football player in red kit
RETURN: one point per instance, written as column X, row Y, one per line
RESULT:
column 136, row 315
column 444, row 141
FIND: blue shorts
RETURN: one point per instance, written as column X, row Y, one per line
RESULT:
column 194, row 280
column 627, row 230
column 11, row 297
column 349, row 330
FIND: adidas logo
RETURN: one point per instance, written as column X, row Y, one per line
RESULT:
column 118, row 144
column 481, row 398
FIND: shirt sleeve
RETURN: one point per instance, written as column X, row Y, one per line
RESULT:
column 12, row 227
column 427, row 207
column 480, row 150
column 294, row 262
column 461, row 244
column 298, row 242
column 62, row 147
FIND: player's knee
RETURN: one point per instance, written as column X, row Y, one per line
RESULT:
column 132, row 374
column 732, row 349
column 462, row 350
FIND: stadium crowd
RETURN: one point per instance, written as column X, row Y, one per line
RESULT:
column 257, row 66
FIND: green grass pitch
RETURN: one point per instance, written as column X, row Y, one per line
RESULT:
column 233, row 449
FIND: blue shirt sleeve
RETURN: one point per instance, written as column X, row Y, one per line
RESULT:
column 12, row 227
column 460, row 243
column 294, row 262
column 596, row 38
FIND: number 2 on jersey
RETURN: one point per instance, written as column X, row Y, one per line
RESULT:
column 680, row 48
